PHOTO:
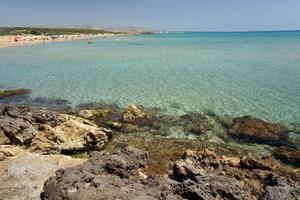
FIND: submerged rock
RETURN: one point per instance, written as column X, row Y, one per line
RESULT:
column 11, row 93
column 46, row 131
column 251, row 129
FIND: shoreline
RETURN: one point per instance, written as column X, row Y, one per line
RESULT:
column 7, row 41
column 121, row 144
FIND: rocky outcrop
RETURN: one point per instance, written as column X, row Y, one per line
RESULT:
column 104, row 177
column 46, row 131
column 198, row 175
column 134, row 115
column 23, row 177
column 206, row 175
column 256, row 130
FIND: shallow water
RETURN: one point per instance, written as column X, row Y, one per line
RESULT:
column 230, row 73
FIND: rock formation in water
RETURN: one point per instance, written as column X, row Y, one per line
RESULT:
column 256, row 130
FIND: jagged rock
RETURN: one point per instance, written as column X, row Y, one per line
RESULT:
column 199, row 175
column 103, row 177
column 23, row 177
column 43, row 130
column 288, row 155
column 212, row 187
column 134, row 115
column 73, row 134
column 206, row 175
column 256, row 130
column 278, row 189
column 17, row 130
column 184, row 169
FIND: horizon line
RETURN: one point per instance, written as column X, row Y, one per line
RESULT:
column 153, row 29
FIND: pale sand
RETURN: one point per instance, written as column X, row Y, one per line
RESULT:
column 8, row 40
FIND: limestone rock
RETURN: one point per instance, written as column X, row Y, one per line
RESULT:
column 49, row 132
column 23, row 177
column 13, row 151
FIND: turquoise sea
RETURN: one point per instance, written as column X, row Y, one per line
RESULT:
column 251, row 73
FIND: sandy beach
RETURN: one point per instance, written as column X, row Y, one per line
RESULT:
column 7, row 41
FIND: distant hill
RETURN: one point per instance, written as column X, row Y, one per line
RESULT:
column 54, row 31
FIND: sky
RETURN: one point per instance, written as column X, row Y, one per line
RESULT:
column 180, row 15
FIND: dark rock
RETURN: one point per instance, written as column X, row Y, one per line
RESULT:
column 17, row 130
column 103, row 177
column 279, row 189
column 212, row 187
column 256, row 130
column 288, row 155
column 196, row 176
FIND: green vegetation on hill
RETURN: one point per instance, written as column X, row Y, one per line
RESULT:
column 50, row 31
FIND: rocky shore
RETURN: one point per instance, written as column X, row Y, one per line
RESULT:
column 100, row 151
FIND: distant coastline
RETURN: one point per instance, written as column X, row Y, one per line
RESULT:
column 19, row 36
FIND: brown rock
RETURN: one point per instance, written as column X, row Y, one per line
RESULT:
column 249, row 162
column 256, row 130
column 134, row 115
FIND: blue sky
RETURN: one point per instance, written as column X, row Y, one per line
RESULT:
column 197, row 15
